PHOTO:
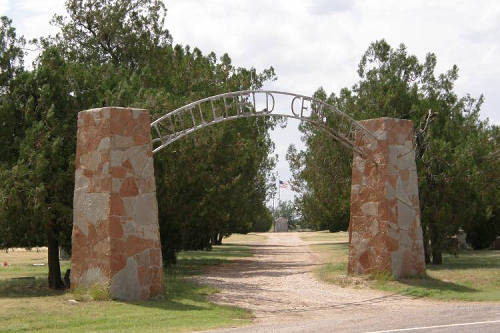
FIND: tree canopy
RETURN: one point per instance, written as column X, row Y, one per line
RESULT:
column 457, row 152
column 216, row 181
column 119, row 53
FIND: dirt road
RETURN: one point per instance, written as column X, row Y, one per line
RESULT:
column 277, row 285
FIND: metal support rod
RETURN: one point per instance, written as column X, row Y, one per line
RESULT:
column 192, row 117
column 342, row 132
column 201, row 114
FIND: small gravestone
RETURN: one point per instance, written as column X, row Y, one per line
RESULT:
column 63, row 255
column 281, row 224
column 462, row 240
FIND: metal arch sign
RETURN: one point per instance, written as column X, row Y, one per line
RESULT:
column 255, row 103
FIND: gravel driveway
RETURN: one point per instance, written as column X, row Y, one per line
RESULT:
column 277, row 285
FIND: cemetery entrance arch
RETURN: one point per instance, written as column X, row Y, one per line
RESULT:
column 115, row 228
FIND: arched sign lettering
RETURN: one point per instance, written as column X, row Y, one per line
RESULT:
column 256, row 103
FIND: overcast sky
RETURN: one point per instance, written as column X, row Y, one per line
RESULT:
column 320, row 42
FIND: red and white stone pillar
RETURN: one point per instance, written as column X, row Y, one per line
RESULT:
column 385, row 234
column 116, row 238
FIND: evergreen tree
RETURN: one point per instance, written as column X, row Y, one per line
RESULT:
column 109, row 53
column 455, row 150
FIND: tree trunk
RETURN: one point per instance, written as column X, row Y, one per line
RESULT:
column 427, row 255
column 437, row 257
column 207, row 243
column 436, row 236
column 219, row 239
column 55, row 281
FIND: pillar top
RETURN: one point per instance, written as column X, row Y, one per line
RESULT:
column 118, row 108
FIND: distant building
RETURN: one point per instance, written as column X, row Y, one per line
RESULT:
column 281, row 224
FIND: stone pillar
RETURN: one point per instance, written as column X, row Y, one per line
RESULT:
column 116, row 239
column 384, row 231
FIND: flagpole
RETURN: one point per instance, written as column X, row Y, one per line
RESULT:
column 274, row 195
column 279, row 194
column 279, row 191
column 274, row 212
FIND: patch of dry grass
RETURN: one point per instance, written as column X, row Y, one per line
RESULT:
column 471, row 276
column 28, row 305
column 250, row 238
column 325, row 236
column 17, row 264
column 20, row 256
column 332, row 249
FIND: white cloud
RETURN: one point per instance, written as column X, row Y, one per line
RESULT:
column 327, row 7
column 310, row 50
column 319, row 42
column 32, row 17
column 4, row 7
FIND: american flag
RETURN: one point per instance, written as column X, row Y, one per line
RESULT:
column 283, row 184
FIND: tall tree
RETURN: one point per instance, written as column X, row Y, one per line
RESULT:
column 12, row 78
column 97, row 60
column 322, row 175
column 451, row 141
column 125, row 33
column 42, row 176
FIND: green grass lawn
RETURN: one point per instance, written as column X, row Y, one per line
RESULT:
column 28, row 305
column 470, row 276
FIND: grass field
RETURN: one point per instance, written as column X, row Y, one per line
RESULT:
column 28, row 305
column 470, row 276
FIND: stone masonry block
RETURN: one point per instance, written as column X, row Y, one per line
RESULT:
column 116, row 238
column 384, row 230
